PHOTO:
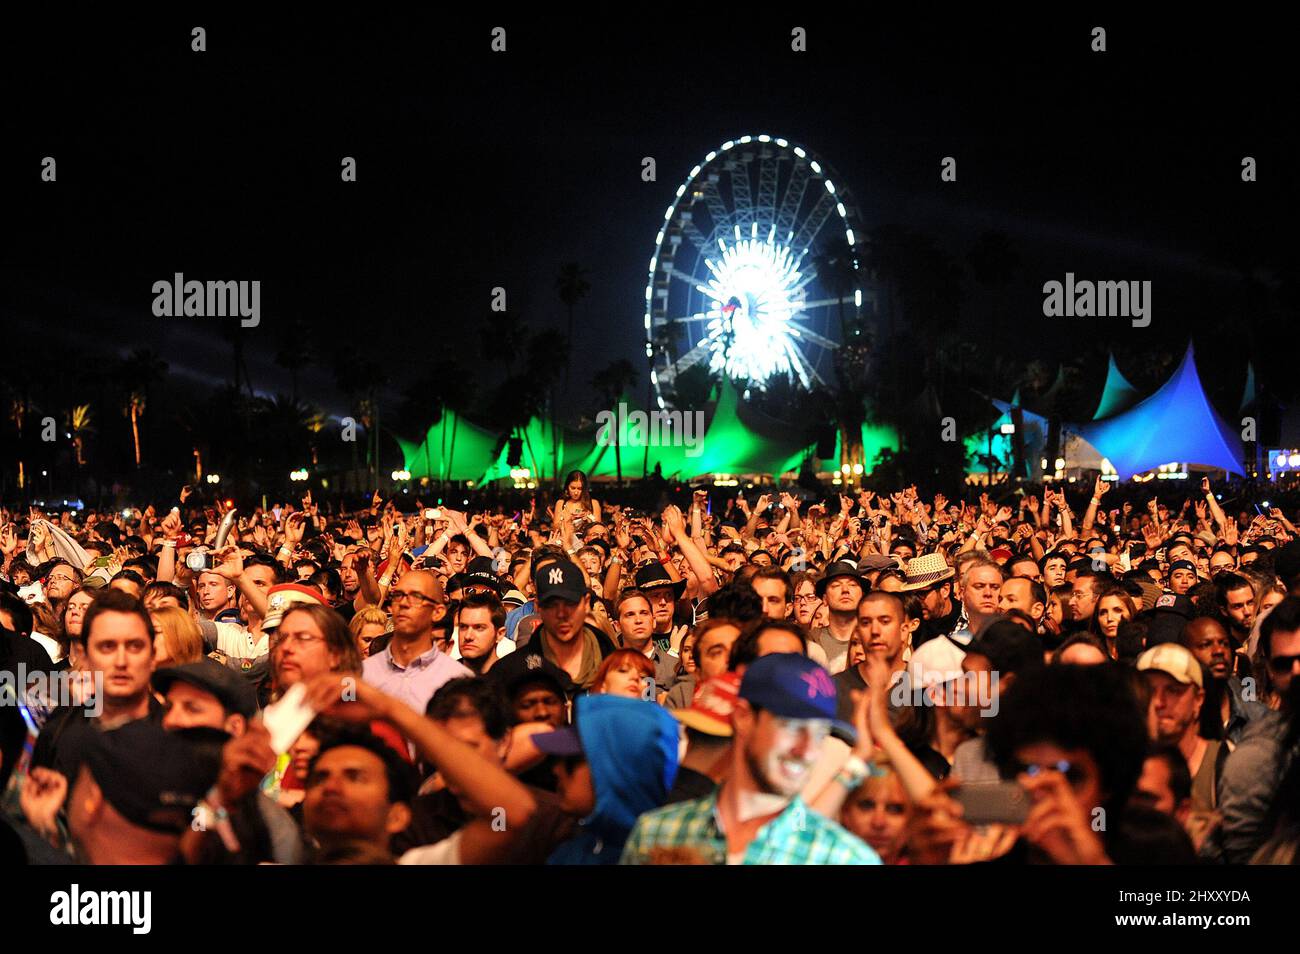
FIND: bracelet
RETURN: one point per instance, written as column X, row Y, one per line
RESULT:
column 852, row 773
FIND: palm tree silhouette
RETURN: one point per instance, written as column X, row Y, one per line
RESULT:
column 138, row 373
column 294, row 352
column 80, row 424
column 573, row 286
column 612, row 382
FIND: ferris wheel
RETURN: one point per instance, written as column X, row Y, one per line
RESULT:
column 733, row 283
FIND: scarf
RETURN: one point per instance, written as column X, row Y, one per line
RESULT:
column 590, row 658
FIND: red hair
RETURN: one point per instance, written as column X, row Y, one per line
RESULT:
column 616, row 659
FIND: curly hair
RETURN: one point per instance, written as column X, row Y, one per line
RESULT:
column 1093, row 708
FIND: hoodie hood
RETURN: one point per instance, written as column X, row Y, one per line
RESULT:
column 631, row 746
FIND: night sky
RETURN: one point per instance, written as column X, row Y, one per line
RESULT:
column 478, row 170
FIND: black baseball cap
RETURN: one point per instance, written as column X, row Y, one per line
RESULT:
column 480, row 572
column 154, row 778
column 561, row 579
column 519, row 668
column 234, row 692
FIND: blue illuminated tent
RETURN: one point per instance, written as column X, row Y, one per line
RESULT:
column 1176, row 423
column 1117, row 394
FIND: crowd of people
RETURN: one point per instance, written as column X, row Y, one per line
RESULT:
column 874, row 679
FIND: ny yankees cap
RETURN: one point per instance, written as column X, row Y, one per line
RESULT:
column 560, row 580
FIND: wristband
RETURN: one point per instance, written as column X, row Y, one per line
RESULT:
column 853, row 772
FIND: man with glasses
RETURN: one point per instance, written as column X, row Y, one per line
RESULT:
column 412, row 667
column 62, row 580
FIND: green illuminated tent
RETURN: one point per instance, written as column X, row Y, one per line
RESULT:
column 1117, row 394
column 454, row 449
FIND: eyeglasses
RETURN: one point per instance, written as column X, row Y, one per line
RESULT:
column 398, row 596
column 1282, row 663
column 806, row 598
column 302, row 639
column 1073, row 773
column 62, row 579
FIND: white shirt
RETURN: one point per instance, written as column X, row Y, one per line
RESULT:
column 237, row 642
column 504, row 646
column 445, row 852
column 51, row 647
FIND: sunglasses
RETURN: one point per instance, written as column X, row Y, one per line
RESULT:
column 1073, row 773
column 1282, row 664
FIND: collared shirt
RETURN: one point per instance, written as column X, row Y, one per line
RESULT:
column 797, row 836
column 416, row 682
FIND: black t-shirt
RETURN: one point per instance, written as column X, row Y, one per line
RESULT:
column 16, row 649
column 62, row 742
column 347, row 609
column 914, row 724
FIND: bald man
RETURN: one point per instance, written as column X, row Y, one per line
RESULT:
column 412, row 667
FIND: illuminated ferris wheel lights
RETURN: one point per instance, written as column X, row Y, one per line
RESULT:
column 762, row 311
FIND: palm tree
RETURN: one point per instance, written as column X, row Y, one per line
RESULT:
column 133, row 408
column 612, row 382
column 573, row 286
column 80, row 424
column 294, row 353
column 836, row 264
column 362, row 380
column 138, row 373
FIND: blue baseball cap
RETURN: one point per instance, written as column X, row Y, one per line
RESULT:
column 792, row 686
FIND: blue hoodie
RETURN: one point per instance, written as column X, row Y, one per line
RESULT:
column 631, row 746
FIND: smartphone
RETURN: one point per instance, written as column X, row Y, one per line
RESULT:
column 993, row 803
column 432, row 513
column 101, row 562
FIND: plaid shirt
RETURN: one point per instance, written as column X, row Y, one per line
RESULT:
column 690, row 832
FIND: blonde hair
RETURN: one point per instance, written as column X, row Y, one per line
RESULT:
column 369, row 616
column 180, row 634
